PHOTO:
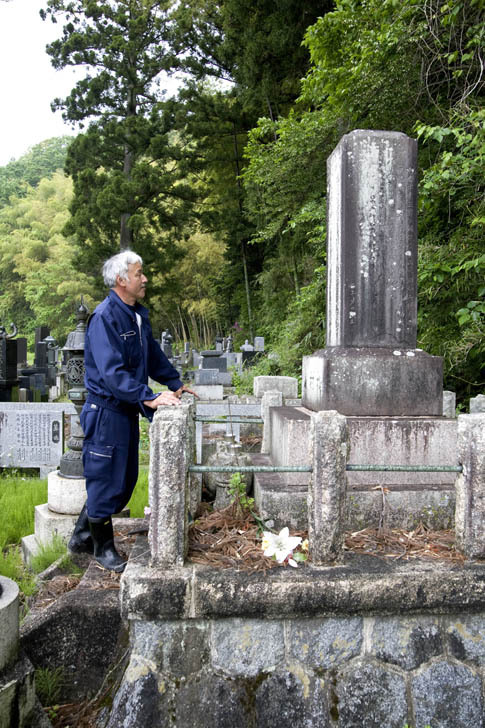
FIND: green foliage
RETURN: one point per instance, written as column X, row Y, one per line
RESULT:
column 12, row 567
column 48, row 685
column 40, row 281
column 41, row 161
column 237, row 491
column 139, row 499
column 48, row 553
column 18, row 498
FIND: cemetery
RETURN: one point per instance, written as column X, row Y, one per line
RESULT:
column 372, row 443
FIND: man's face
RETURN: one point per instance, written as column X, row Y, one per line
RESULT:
column 134, row 283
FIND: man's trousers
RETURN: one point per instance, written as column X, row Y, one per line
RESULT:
column 110, row 458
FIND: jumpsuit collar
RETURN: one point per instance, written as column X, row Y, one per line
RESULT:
column 130, row 310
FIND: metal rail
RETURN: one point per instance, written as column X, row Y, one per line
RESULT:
column 308, row 468
column 229, row 420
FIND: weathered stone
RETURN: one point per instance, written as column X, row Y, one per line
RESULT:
column 448, row 696
column 209, row 701
column 9, row 621
column 291, row 699
column 206, row 376
column 470, row 486
column 449, row 404
column 288, row 386
column 137, row 702
column 80, row 632
column 270, row 398
column 327, row 489
column 406, row 642
column 65, row 495
column 477, row 404
column 372, row 381
column 172, row 444
column 371, row 696
column 466, row 638
column 244, row 648
column 179, row 648
column 17, row 695
column 372, row 240
column 291, row 441
column 325, row 643
column 361, row 585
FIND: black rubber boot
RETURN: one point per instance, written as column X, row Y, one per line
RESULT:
column 81, row 541
column 104, row 545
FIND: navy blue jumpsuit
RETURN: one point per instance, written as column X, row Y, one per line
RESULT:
column 119, row 357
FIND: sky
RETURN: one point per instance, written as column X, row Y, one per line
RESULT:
column 28, row 83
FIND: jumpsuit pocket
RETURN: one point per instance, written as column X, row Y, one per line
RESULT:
column 98, row 460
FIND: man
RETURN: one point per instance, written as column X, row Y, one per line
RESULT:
column 120, row 354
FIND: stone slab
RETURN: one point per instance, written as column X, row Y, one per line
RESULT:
column 9, row 621
column 209, row 391
column 373, row 382
column 361, row 585
column 48, row 524
column 372, row 240
column 373, row 441
column 30, row 439
column 30, row 547
column 288, row 386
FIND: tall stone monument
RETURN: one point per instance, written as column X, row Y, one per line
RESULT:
column 371, row 365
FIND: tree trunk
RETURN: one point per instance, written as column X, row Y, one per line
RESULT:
column 243, row 245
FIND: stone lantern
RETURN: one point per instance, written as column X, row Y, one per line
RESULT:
column 73, row 362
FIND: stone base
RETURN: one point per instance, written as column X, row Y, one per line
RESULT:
column 373, row 382
column 65, row 495
column 9, row 621
column 365, row 643
column 48, row 524
column 412, row 497
column 402, row 506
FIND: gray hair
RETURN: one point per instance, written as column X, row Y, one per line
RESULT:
column 117, row 265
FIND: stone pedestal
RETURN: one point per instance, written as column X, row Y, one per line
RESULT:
column 65, row 495
column 373, row 381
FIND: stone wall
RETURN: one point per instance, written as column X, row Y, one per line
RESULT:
column 369, row 643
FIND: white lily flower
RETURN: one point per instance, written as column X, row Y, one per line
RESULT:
column 279, row 545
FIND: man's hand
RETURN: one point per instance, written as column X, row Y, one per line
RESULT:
column 182, row 389
column 166, row 398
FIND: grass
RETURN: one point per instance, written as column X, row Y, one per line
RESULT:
column 18, row 497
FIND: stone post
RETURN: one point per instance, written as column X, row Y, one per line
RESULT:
column 269, row 399
column 449, row 404
column 470, row 486
column 477, row 404
column 327, row 487
column 371, row 365
column 171, row 452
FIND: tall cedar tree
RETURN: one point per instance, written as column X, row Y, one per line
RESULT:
column 125, row 177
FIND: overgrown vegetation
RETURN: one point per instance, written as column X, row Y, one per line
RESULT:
column 223, row 188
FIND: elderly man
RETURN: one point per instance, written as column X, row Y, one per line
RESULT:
column 120, row 355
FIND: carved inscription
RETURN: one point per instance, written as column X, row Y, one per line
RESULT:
column 30, row 439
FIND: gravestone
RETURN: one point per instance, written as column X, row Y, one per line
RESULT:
column 259, row 343
column 21, row 351
column 8, row 366
column 40, row 333
column 371, row 365
column 31, row 435
column 167, row 344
